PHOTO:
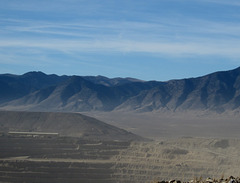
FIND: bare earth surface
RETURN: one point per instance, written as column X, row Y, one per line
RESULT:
column 28, row 159
column 179, row 159
column 185, row 146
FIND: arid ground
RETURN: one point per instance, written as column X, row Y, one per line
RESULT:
column 56, row 159
column 182, row 147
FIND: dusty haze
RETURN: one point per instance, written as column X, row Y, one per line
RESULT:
column 157, row 125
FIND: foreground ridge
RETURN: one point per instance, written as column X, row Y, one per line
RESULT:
column 231, row 179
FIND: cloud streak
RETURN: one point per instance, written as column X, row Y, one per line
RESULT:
column 194, row 37
column 128, row 46
column 109, row 28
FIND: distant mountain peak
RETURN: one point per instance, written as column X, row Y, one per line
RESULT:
column 37, row 73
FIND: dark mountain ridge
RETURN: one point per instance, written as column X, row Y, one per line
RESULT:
column 110, row 82
column 17, row 86
column 219, row 92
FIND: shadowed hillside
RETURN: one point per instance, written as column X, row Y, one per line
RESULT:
column 218, row 92
column 66, row 124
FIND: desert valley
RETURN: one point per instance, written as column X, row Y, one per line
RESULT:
column 119, row 91
column 95, row 129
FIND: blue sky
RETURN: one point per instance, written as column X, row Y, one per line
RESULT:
column 149, row 40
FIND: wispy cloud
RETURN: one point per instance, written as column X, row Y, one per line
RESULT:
column 194, row 36
column 205, row 47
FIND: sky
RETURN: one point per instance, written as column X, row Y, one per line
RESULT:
column 149, row 40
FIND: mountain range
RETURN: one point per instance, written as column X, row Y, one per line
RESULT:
column 36, row 91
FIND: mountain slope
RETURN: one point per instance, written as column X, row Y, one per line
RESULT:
column 78, row 94
column 14, row 86
column 217, row 92
column 110, row 82
column 66, row 124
